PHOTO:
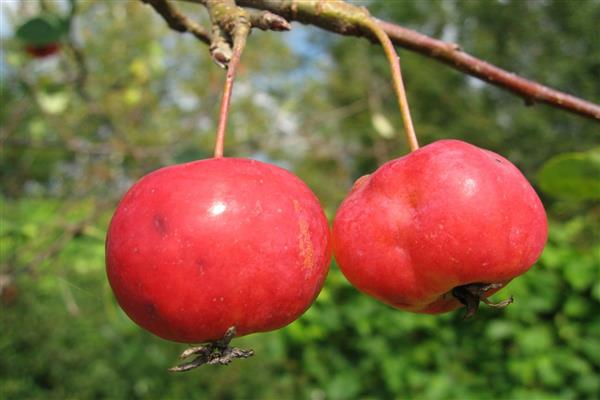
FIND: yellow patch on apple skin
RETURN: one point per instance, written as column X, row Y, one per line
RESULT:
column 304, row 240
column 360, row 182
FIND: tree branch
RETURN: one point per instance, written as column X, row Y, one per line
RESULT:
column 225, row 16
column 336, row 16
column 451, row 54
column 266, row 20
column 178, row 21
column 339, row 17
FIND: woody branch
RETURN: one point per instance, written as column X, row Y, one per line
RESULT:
column 340, row 17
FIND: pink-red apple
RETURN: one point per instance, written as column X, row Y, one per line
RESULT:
column 443, row 224
column 197, row 248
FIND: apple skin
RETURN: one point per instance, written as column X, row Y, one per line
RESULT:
column 42, row 51
column 446, row 215
column 196, row 248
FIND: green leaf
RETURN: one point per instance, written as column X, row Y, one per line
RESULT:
column 53, row 103
column 40, row 30
column 382, row 125
column 572, row 175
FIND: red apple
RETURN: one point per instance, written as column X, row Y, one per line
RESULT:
column 197, row 248
column 446, row 219
column 42, row 50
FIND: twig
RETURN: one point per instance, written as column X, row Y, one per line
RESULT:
column 332, row 15
column 451, row 54
column 267, row 21
column 82, row 70
column 398, row 83
column 361, row 17
column 69, row 299
column 223, row 16
column 225, row 101
column 237, row 25
column 178, row 21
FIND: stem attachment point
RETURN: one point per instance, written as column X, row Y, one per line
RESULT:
column 212, row 353
column 470, row 295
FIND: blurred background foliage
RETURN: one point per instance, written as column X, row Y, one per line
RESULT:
column 125, row 96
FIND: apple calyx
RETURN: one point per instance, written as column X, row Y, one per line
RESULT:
column 217, row 352
column 470, row 295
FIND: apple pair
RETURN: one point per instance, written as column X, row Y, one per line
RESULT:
column 197, row 248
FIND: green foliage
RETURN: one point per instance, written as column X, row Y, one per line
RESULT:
column 40, row 30
column 381, row 353
column 572, row 175
column 64, row 337
column 313, row 103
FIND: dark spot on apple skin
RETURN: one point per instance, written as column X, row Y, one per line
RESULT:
column 414, row 199
column 498, row 160
column 150, row 309
column 160, row 224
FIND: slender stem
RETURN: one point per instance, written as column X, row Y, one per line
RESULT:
column 394, row 61
column 239, row 42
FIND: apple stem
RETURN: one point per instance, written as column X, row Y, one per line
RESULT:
column 213, row 353
column 239, row 42
column 394, row 60
column 470, row 295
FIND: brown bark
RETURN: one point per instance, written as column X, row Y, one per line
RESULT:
column 337, row 16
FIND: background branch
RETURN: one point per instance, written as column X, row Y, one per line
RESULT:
column 339, row 17
column 178, row 21
column 225, row 16
column 451, row 54
column 266, row 20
